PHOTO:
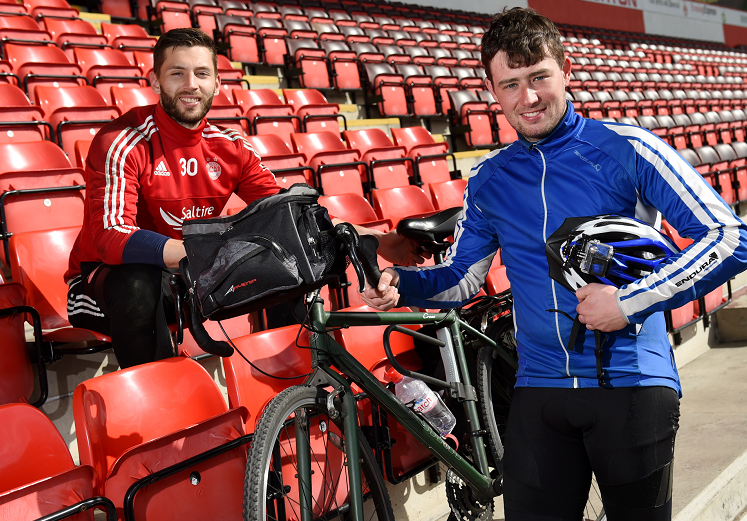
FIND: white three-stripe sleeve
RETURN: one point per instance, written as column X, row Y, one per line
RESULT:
column 114, row 173
column 671, row 185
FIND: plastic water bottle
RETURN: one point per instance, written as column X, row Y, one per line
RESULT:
column 420, row 398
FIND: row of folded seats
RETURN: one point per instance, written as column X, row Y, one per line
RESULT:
column 599, row 80
column 203, row 13
column 602, row 59
column 648, row 102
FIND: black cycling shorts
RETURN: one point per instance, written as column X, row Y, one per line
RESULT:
column 555, row 438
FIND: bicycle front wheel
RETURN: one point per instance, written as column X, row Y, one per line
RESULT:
column 271, row 486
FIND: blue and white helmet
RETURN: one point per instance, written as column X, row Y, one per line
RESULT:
column 606, row 249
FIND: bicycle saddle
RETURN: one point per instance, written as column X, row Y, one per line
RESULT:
column 430, row 231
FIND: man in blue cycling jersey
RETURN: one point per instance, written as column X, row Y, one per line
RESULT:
column 562, row 426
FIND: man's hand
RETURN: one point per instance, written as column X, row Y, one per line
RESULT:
column 598, row 309
column 385, row 296
column 173, row 252
column 400, row 251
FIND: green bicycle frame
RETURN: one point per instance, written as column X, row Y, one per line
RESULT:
column 327, row 352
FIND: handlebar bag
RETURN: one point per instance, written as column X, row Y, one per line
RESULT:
column 279, row 247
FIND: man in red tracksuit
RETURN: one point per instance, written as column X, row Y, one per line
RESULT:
column 146, row 173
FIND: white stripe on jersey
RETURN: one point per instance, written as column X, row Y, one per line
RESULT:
column 701, row 201
column 114, row 173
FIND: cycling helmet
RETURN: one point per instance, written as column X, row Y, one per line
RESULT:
column 607, row 249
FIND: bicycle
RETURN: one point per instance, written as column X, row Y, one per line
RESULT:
column 314, row 429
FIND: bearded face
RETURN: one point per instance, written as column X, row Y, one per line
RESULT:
column 186, row 84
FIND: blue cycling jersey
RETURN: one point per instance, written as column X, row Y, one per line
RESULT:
column 519, row 195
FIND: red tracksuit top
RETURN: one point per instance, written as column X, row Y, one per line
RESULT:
column 146, row 171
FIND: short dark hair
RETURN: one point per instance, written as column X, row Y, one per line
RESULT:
column 186, row 37
column 524, row 35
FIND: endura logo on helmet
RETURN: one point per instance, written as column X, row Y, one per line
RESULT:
column 595, row 166
column 713, row 257
column 237, row 286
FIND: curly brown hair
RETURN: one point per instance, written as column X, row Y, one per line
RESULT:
column 186, row 37
column 524, row 35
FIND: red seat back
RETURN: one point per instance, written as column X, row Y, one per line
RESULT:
column 125, row 98
column 351, row 208
column 16, row 376
column 273, row 351
column 448, row 194
column 31, row 448
column 397, row 203
column 162, row 398
column 46, row 290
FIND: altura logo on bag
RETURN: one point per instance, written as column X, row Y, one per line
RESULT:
column 237, row 286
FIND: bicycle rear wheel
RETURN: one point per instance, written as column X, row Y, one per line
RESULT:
column 271, row 483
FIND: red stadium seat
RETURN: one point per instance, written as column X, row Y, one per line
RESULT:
column 144, row 60
column 10, row 6
column 107, row 68
column 430, row 157
column 116, row 8
column 69, row 34
column 398, row 203
column 421, row 89
column 275, row 352
column 74, row 113
column 175, row 411
column 267, row 113
column 240, row 36
column 313, row 110
column 225, row 113
column 20, row 121
column 388, row 87
column 41, row 190
column 354, row 209
column 444, row 81
column 472, row 114
column 46, row 290
column 289, row 168
column 37, row 474
column 203, row 13
column 234, row 327
column 343, row 64
column 388, row 165
column 50, row 7
column 20, row 28
column 16, row 375
column 174, row 15
column 43, row 65
column 127, row 98
column 81, row 153
column 506, row 133
column 271, row 34
column 448, row 194
column 308, row 62
column 338, row 169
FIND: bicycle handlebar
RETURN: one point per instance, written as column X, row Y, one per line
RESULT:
column 362, row 253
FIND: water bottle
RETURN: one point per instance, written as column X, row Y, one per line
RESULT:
column 420, row 398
